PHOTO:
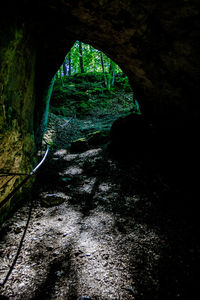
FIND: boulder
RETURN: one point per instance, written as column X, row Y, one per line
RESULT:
column 92, row 140
column 53, row 199
column 130, row 136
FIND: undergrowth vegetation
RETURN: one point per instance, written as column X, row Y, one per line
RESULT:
column 83, row 92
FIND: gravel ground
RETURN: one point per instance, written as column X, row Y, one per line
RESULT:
column 99, row 229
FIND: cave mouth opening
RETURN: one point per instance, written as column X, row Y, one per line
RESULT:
column 89, row 92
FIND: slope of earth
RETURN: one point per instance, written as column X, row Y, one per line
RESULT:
column 60, row 133
column 99, row 229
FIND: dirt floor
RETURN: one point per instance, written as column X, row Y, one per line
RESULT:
column 99, row 229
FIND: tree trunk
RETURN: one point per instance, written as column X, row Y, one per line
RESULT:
column 65, row 67
column 61, row 79
column 103, row 69
column 112, row 73
column 81, row 57
column 70, row 66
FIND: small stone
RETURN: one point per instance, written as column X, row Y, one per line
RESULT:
column 59, row 273
column 17, row 230
column 38, row 215
column 65, row 179
column 78, row 252
column 105, row 256
column 53, row 199
column 21, row 285
column 56, row 253
column 59, row 233
column 49, row 248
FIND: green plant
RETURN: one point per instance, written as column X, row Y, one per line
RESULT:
column 51, row 144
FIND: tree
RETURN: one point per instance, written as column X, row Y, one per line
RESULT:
column 61, row 73
column 69, row 59
column 112, row 72
column 81, row 57
column 65, row 67
column 84, row 58
column 103, row 69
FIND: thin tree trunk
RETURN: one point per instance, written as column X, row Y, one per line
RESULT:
column 61, row 79
column 64, row 67
column 81, row 57
column 70, row 66
column 113, row 74
column 103, row 69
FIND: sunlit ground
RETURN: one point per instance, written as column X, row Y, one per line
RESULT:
column 95, row 243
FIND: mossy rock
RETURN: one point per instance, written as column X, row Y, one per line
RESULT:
column 92, row 139
column 98, row 137
column 79, row 145
column 49, row 200
column 87, row 77
column 64, row 95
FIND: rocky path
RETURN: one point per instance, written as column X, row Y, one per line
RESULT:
column 98, row 230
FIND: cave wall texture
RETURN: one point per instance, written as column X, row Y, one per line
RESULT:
column 156, row 43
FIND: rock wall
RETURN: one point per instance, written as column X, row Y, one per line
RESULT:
column 17, row 76
column 155, row 43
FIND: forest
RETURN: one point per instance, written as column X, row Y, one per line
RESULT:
column 87, row 79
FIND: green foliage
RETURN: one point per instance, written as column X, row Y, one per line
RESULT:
column 78, row 95
column 91, row 61
column 121, row 81
column 81, row 92
column 51, row 144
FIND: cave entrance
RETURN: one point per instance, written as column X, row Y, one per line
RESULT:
column 90, row 92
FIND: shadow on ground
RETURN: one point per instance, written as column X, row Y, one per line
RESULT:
column 140, row 200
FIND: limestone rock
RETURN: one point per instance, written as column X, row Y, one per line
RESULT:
column 98, row 137
column 53, row 199
column 79, row 145
column 91, row 140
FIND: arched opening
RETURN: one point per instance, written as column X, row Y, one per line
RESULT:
column 91, row 88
